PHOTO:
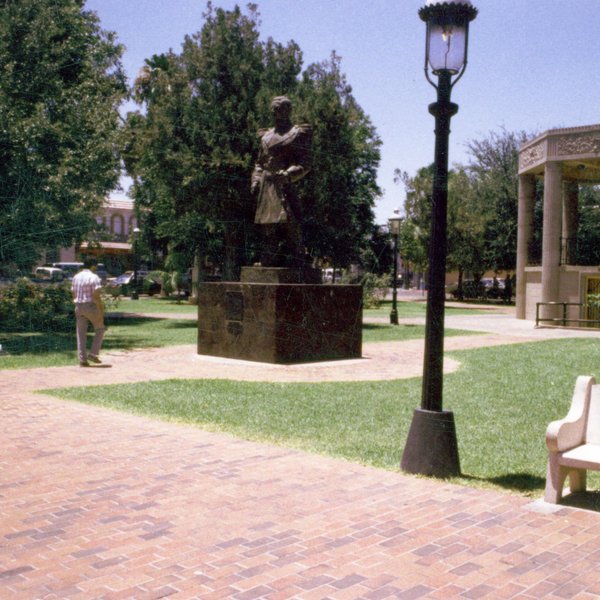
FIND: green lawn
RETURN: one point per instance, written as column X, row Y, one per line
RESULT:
column 380, row 332
column 503, row 398
column 154, row 305
column 417, row 308
column 50, row 349
column 414, row 308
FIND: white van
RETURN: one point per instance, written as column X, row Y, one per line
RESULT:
column 49, row 274
column 70, row 269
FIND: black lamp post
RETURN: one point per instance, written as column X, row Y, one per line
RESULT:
column 431, row 447
column 394, row 225
column 134, row 284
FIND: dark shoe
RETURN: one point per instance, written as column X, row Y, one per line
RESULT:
column 85, row 363
column 94, row 359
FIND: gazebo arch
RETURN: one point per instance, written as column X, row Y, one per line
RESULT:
column 564, row 158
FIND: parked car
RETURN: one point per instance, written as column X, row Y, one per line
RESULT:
column 48, row 275
column 122, row 279
column 471, row 289
column 490, row 289
column 70, row 269
column 102, row 273
column 123, row 282
column 186, row 283
column 485, row 288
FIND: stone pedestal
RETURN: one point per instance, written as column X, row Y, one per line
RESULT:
column 280, row 322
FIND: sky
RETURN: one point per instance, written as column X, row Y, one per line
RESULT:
column 533, row 65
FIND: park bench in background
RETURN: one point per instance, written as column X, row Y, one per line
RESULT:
column 574, row 442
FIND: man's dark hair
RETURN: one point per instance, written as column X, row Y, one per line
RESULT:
column 89, row 261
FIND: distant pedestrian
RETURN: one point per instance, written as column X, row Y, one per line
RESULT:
column 86, row 287
column 508, row 288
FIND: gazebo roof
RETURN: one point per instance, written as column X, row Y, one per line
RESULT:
column 577, row 148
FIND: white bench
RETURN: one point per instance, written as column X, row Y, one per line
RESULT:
column 574, row 442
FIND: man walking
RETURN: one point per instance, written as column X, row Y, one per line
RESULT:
column 88, row 309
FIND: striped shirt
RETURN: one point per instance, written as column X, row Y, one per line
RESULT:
column 83, row 286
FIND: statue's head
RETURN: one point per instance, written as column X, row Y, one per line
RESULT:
column 281, row 107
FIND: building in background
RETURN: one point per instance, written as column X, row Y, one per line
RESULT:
column 112, row 245
column 562, row 279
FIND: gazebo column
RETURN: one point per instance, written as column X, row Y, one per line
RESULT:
column 524, row 235
column 551, row 236
column 569, row 220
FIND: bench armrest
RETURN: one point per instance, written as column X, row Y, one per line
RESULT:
column 569, row 432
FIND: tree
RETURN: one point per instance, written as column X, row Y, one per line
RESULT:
column 414, row 231
column 61, row 83
column 192, row 153
column 159, row 154
column 377, row 256
column 494, row 166
column 341, row 191
column 467, row 221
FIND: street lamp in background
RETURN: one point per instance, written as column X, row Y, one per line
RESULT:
column 134, row 284
column 431, row 447
column 394, row 226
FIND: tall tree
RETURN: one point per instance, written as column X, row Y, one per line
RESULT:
column 341, row 193
column 467, row 221
column 61, row 83
column 494, row 165
column 414, row 233
column 193, row 151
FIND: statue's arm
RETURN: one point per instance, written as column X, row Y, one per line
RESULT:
column 256, row 177
column 302, row 164
column 296, row 172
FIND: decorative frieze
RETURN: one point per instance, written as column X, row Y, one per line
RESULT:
column 578, row 144
column 531, row 156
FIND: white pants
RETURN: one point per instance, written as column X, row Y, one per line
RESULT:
column 86, row 313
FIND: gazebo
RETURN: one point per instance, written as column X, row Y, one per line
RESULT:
column 564, row 159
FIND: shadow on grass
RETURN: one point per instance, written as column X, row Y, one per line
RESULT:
column 38, row 343
column 127, row 321
column 522, row 482
column 380, row 326
column 21, row 343
column 188, row 324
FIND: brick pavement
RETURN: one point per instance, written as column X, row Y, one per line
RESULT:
column 99, row 504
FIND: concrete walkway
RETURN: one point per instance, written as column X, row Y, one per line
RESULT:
column 98, row 504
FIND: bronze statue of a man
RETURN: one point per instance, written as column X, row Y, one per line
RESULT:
column 283, row 159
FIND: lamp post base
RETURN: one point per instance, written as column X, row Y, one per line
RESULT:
column 394, row 317
column 431, row 447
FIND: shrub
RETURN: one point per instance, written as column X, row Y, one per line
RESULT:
column 375, row 287
column 25, row 306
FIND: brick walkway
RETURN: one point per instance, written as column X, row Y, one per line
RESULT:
column 98, row 504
